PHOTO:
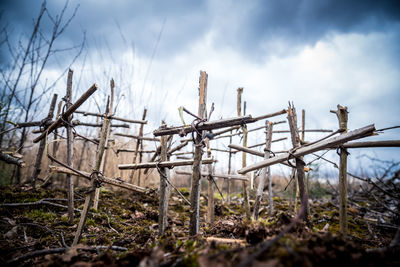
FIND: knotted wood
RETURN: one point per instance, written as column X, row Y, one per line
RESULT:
column 67, row 113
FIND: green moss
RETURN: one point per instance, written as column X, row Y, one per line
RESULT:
column 90, row 222
column 190, row 260
column 40, row 215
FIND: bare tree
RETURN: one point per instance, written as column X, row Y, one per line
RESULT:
column 24, row 89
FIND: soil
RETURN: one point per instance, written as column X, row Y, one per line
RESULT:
column 130, row 220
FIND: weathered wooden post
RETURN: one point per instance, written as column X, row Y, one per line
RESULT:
column 342, row 115
column 55, row 144
column 139, row 143
column 210, row 188
column 42, row 145
column 109, row 107
column 246, row 205
column 195, row 188
column 70, row 149
column 164, row 188
column 291, row 116
column 94, row 181
column 265, row 173
column 228, row 193
column 292, row 199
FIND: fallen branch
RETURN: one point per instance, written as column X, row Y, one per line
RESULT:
column 38, row 253
column 37, row 203
column 11, row 159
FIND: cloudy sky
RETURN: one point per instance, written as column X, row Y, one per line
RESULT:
column 315, row 53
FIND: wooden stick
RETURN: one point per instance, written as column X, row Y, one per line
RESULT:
column 88, row 124
column 111, row 181
column 278, row 131
column 219, row 240
column 273, row 141
column 138, row 143
column 70, row 149
column 246, row 205
column 67, row 113
column 168, row 164
column 210, row 189
column 55, row 136
column 205, row 126
column 270, row 115
column 228, row 193
column 263, row 127
column 183, row 153
column 307, row 131
column 94, row 179
column 342, row 115
column 138, row 137
column 134, row 150
column 223, row 176
column 331, row 142
column 197, row 161
column 292, row 119
column 11, row 159
column 158, row 151
column 214, row 134
column 104, row 159
column 85, row 113
column 253, row 152
column 178, row 147
column 164, row 188
column 42, row 145
column 229, row 135
column 265, row 173
column 221, row 150
column 385, row 143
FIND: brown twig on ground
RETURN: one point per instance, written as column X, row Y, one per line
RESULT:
column 43, row 252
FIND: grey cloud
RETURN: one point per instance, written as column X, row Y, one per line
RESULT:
column 301, row 22
column 255, row 28
column 139, row 21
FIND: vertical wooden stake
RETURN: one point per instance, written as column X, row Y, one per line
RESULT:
column 142, row 147
column 291, row 116
column 246, row 205
column 94, row 178
column 139, row 143
column 195, row 188
column 164, row 188
column 55, row 144
column 228, row 197
column 70, row 150
column 342, row 115
column 83, row 150
column 252, row 180
column 42, row 145
column 103, row 161
column 265, row 173
column 210, row 188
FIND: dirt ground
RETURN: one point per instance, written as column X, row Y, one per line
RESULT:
column 128, row 220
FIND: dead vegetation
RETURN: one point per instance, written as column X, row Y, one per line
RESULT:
column 124, row 232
